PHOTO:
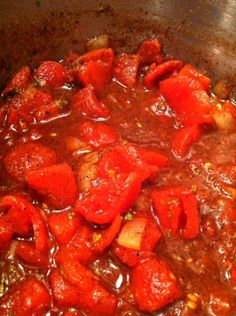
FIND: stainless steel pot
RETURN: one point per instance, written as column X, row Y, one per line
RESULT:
column 202, row 32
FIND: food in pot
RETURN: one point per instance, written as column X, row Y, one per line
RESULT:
column 117, row 187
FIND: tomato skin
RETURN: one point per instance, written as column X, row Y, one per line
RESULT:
column 29, row 156
column 19, row 82
column 126, row 69
column 184, row 139
column 153, row 284
column 29, row 297
column 86, row 102
column 98, row 134
column 51, row 73
column 197, row 75
column 6, row 233
column 189, row 102
column 64, row 226
column 155, row 72
column 55, row 183
column 149, row 51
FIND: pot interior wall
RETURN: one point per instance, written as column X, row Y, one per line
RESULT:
column 201, row 32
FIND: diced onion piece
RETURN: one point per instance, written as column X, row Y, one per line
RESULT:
column 221, row 90
column 132, row 233
column 74, row 143
column 224, row 120
column 97, row 42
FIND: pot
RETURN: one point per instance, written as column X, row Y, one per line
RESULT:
column 201, row 32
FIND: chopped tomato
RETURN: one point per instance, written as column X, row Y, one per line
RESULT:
column 51, row 73
column 29, row 297
column 149, row 51
column 86, row 102
column 195, row 74
column 154, row 285
column 155, row 72
column 153, row 157
column 64, row 226
column 27, row 252
column 187, row 99
column 110, row 198
column 55, row 183
column 6, row 233
column 177, row 208
column 95, row 68
column 126, row 69
column 98, row 134
column 28, row 156
column 19, row 82
column 184, row 138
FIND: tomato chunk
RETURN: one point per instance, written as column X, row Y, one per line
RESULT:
column 27, row 298
column 154, row 285
column 98, row 134
column 177, row 208
column 187, row 99
column 86, row 102
column 184, row 138
column 55, row 183
column 51, row 73
column 195, row 74
column 29, row 156
column 95, row 68
column 149, row 51
column 126, row 69
column 19, row 82
column 64, row 226
column 27, row 252
column 110, row 198
column 155, row 72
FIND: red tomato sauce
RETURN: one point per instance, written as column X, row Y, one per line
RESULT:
column 117, row 188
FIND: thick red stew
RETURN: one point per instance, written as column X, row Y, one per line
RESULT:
column 117, row 188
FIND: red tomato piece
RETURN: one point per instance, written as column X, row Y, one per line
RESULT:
column 153, row 157
column 17, row 214
column 177, row 208
column 51, row 73
column 98, row 134
column 125, row 159
column 19, row 82
column 29, row 297
column 195, row 74
column 6, row 233
column 56, row 184
column 70, row 313
column 28, row 156
column 86, row 102
column 189, row 102
column 64, row 226
column 150, row 239
column 154, row 285
column 64, row 293
column 155, row 72
column 95, row 300
column 110, row 198
column 149, row 51
column 126, row 69
column 108, row 235
column 184, row 139
column 27, row 253
column 95, row 68
column 190, row 207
